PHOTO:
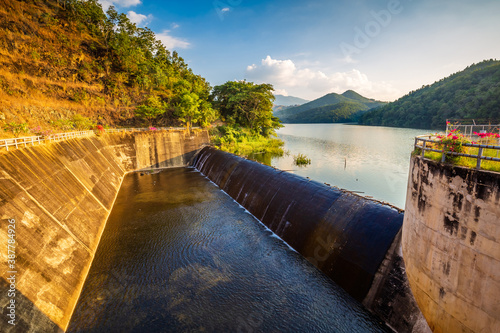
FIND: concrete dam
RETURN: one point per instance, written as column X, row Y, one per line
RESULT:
column 213, row 243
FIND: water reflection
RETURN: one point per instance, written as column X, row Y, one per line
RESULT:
column 371, row 160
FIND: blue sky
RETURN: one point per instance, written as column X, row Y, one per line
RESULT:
column 381, row 48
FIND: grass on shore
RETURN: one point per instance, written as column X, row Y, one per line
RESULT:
column 242, row 142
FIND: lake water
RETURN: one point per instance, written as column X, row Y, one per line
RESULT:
column 372, row 160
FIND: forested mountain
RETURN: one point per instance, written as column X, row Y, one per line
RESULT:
column 63, row 58
column 329, row 108
column 342, row 112
column 471, row 93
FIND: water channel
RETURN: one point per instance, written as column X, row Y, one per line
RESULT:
column 179, row 255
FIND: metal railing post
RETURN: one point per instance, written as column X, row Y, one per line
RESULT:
column 443, row 157
column 478, row 166
column 423, row 149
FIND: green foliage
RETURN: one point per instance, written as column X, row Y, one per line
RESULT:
column 243, row 142
column 16, row 129
column 151, row 108
column 247, row 105
column 82, row 123
column 301, row 160
column 471, row 93
column 135, row 68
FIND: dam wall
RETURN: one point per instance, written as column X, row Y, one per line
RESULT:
column 57, row 197
column 451, row 245
column 353, row 240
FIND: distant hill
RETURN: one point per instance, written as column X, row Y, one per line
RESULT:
column 471, row 93
column 288, row 100
column 329, row 108
column 336, row 113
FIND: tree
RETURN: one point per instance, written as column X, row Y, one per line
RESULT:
column 150, row 109
column 248, row 105
column 188, row 109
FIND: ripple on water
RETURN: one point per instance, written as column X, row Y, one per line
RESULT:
column 204, row 265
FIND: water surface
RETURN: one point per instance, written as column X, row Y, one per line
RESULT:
column 179, row 255
column 373, row 160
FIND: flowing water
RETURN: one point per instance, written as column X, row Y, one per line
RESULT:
column 179, row 255
column 369, row 159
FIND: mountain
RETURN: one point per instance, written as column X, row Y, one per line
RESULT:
column 329, row 108
column 288, row 100
column 471, row 93
column 342, row 112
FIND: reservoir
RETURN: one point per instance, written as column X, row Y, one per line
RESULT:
column 373, row 160
column 179, row 255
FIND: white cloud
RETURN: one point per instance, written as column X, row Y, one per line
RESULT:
column 171, row 42
column 174, row 25
column 119, row 3
column 307, row 83
column 280, row 92
column 225, row 9
column 139, row 19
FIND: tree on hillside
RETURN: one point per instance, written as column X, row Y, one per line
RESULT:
column 150, row 109
column 248, row 105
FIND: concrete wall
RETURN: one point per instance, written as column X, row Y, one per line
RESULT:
column 60, row 195
column 451, row 246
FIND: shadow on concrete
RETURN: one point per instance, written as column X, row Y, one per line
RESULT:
column 27, row 314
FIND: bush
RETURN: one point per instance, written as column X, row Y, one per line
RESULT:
column 16, row 128
column 82, row 123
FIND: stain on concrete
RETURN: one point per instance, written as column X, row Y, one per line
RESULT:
column 451, row 226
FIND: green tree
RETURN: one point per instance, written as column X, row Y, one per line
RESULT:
column 248, row 105
column 150, row 109
column 188, row 109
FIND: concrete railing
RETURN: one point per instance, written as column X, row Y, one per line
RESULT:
column 32, row 140
column 431, row 143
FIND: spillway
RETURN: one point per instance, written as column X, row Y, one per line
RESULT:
column 179, row 255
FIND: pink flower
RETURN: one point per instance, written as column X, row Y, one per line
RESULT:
column 455, row 137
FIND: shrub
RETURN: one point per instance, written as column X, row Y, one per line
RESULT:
column 16, row 128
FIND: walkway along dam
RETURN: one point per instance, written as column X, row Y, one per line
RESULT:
column 194, row 247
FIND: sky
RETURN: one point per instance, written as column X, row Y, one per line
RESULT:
column 382, row 49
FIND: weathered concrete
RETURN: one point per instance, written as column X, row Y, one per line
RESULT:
column 60, row 195
column 451, row 246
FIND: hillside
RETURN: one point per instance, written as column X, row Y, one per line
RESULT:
column 471, row 93
column 62, row 59
column 288, row 100
column 342, row 112
column 327, row 108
